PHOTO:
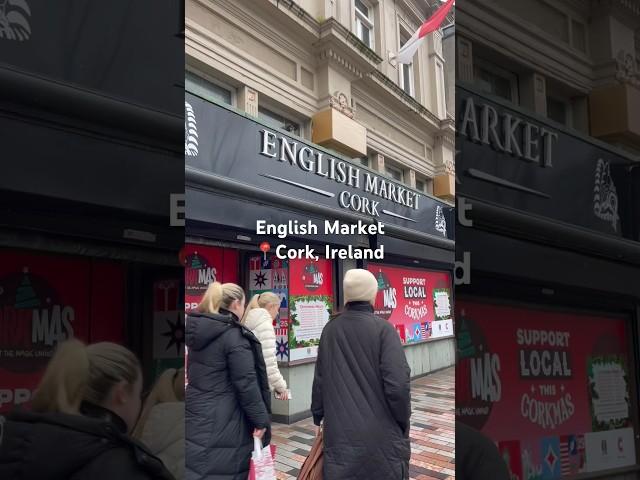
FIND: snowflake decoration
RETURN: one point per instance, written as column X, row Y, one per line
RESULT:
column 282, row 349
column 260, row 280
column 175, row 334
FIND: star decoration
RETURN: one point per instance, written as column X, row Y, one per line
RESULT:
column 175, row 334
column 260, row 280
column 282, row 349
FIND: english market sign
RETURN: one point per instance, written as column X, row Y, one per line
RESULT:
column 314, row 161
column 229, row 144
column 508, row 133
column 511, row 158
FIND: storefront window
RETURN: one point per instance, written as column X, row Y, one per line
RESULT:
column 203, row 265
column 46, row 299
column 417, row 302
column 305, row 288
column 562, row 380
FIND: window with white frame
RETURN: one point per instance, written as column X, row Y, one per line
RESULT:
column 364, row 22
column 405, row 70
column 420, row 185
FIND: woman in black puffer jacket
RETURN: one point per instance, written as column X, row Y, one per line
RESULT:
column 228, row 399
column 77, row 429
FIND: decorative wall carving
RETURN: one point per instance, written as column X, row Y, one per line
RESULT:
column 340, row 102
column 627, row 69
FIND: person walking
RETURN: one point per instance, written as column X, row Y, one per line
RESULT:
column 161, row 423
column 77, row 429
column 228, row 401
column 262, row 310
column 361, row 390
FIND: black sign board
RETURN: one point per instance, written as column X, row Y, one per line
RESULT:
column 520, row 161
column 235, row 146
column 130, row 50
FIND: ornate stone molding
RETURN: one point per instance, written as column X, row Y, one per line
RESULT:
column 631, row 5
column 339, row 46
column 416, row 106
column 627, row 69
column 340, row 102
column 333, row 56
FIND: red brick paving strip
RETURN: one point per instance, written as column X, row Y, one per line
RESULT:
column 432, row 432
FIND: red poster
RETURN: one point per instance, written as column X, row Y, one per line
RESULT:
column 44, row 299
column 412, row 299
column 108, row 285
column 533, row 367
column 204, row 265
column 308, row 277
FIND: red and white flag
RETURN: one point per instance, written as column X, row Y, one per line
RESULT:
column 408, row 50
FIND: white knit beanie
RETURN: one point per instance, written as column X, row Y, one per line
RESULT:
column 359, row 286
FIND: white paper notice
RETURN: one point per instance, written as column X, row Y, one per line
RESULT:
column 313, row 316
column 611, row 387
column 609, row 449
column 442, row 304
column 442, row 328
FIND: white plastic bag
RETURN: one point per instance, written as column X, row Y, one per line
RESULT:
column 262, row 461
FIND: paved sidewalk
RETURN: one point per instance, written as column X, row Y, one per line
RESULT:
column 432, row 432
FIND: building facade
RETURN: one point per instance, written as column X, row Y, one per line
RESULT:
column 294, row 64
column 547, row 101
column 268, row 78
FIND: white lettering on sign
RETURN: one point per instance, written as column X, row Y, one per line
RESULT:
column 52, row 326
column 389, row 298
column 547, row 415
column 485, row 378
column 507, row 133
column 15, row 396
column 310, row 160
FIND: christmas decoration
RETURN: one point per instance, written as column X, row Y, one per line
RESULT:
column 25, row 295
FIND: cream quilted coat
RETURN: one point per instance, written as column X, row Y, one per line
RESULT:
column 261, row 324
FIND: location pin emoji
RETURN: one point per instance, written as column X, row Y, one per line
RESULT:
column 264, row 248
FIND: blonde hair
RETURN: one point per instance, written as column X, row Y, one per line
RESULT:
column 80, row 373
column 261, row 300
column 168, row 388
column 220, row 295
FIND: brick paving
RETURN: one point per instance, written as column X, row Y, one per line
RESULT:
column 432, row 432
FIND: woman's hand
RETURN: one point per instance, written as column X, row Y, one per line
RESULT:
column 281, row 395
column 318, row 430
column 259, row 432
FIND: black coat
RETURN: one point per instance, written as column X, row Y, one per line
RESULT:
column 477, row 457
column 58, row 446
column 361, row 389
column 227, row 397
